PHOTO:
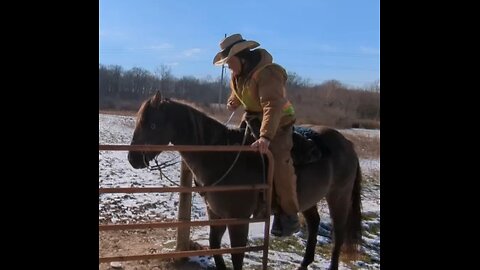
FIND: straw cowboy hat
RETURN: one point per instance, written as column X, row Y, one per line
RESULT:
column 232, row 45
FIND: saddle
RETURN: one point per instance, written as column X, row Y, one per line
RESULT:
column 304, row 150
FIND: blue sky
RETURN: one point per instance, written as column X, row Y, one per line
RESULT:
column 317, row 39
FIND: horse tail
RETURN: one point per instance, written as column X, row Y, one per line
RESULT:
column 353, row 232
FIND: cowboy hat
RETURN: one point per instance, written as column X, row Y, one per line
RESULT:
column 232, row 45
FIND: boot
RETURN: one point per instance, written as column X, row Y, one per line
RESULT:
column 276, row 226
column 285, row 225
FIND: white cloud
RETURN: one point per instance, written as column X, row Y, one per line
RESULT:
column 327, row 48
column 112, row 34
column 159, row 47
column 368, row 50
column 191, row 52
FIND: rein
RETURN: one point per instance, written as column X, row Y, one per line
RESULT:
column 234, row 161
column 230, row 118
column 162, row 165
column 248, row 126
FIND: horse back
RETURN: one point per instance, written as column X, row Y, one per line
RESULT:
column 336, row 168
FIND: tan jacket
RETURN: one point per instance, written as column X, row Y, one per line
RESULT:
column 263, row 90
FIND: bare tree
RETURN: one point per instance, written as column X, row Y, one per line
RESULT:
column 166, row 79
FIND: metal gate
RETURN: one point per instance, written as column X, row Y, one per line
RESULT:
column 184, row 223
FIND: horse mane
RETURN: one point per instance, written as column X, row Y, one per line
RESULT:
column 194, row 107
column 147, row 104
column 201, row 121
column 197, row 111
column 141, row 112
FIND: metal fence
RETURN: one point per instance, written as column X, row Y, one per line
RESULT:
column 184, row 223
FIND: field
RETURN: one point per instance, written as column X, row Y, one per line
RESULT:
column 285, row 253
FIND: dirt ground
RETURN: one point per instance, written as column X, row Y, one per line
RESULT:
column 151, row 241
column 140, row 242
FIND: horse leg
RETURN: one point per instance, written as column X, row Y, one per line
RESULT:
column 216, row 234
column 338, row 206
column 238, row 238
column 313, row 220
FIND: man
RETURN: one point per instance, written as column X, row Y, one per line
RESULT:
column 259, row 85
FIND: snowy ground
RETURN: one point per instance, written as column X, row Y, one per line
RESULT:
column 115, row 171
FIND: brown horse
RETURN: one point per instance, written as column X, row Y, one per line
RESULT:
column 335, row 176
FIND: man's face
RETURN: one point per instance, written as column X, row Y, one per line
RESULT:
column 234, row 65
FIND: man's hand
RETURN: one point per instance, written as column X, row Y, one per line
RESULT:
column 231, row 106
column 262, row 144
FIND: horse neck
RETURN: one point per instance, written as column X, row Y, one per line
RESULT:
column 196, row 128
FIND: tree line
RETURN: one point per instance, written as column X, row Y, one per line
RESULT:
column 124, row 89
column 339, row 104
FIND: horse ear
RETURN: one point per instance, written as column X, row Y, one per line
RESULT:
column 156, row 99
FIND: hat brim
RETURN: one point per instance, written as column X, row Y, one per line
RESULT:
column 219, row 60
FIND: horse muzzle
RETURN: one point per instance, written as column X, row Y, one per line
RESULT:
column 138, row 160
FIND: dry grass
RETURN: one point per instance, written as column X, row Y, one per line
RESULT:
column 219, row 113
column 365, row 145
column 119, row 112
column 366, row 123
column 336, row 107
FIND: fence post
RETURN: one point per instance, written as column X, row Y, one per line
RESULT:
column 184, row 209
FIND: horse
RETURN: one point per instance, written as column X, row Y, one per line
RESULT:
column 336, row 176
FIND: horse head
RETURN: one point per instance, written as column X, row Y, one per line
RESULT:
column 154, row 127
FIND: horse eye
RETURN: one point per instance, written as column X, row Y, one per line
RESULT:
column 153, row 126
